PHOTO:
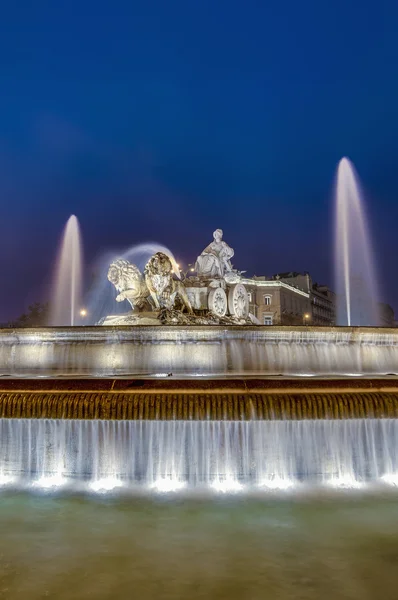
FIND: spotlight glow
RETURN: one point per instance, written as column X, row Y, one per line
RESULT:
column 227, row 486
column 168, row 484
column 390, row 479
column 345, row 481
column 107, row 484
column 6, row 479
column 277, row 483
column 50, row 482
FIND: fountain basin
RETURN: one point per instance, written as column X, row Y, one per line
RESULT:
column 198, row 351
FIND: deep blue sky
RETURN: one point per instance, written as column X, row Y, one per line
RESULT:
column 163, row 120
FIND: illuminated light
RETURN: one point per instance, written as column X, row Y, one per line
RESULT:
column 6, row 479
column 227, row 486
column 306, row 316
column 305, row 374
column 107, row 484
column 83, row 312
column 50, row 482
column 167, row 484
column 345, row 481
column 390, row 479
column 277, row 483
column 192, row 270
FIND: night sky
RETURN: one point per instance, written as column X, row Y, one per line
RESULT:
column 163, row 120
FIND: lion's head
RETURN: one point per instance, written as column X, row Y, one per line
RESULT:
column 159, row 264
column 123, row 274
column 159, row 277
column 128, row 280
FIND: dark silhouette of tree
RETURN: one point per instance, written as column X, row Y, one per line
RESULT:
column 36, row 316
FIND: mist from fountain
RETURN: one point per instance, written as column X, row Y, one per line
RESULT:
column 101, row 297
column 355, row 275
column 66, row 298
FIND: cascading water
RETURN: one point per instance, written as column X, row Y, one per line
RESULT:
column 200, row 351
column 68, row 278
column 219, row 455
column 356, row 284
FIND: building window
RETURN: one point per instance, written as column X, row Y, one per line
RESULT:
column 267, row 320
column 250, row 296
column 267, row 300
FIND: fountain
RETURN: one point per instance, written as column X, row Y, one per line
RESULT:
column 180, row 393
column 356, row 283
column 68, row 278
column 185, row 391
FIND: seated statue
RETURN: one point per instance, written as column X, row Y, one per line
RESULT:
column 214, row 262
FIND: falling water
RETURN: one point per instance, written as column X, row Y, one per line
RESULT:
column 356, row 284
column 220, row 455
column 68, row 277
column 198, row 351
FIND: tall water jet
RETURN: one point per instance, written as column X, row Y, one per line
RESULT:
column 68, row 276
column 356, row 284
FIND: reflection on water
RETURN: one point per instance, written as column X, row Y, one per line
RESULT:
column 344, row 546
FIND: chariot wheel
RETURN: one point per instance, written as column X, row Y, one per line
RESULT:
column 218, row 303
column 238, row 301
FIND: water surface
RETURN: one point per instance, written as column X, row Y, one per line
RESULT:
column 325, row 547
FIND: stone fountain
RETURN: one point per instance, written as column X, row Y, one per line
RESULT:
column 186, row 389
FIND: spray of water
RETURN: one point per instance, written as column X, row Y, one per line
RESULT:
column 356, row 285
column 68, row 277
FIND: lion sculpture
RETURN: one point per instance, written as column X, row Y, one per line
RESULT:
column 162, row 287
column 129, row 282
column 155, row 290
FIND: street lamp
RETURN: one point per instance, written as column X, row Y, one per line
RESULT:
column 83, row 312
column 306, row 318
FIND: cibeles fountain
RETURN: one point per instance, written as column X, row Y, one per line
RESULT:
column 191, row 325
column 158, row 296
column 187, row 389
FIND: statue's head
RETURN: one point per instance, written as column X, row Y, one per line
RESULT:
column 123, row 274
column 160, row 264
column 218, row 235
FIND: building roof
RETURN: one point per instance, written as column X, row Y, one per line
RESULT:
column 274, row 283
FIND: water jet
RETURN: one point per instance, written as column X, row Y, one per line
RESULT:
column 67, row 291
column 355, row 274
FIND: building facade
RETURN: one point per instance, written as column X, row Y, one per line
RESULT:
column 275, row 302
column 322, row 300
column 294, row 299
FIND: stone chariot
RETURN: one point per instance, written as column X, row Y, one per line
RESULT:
column 212, row 294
